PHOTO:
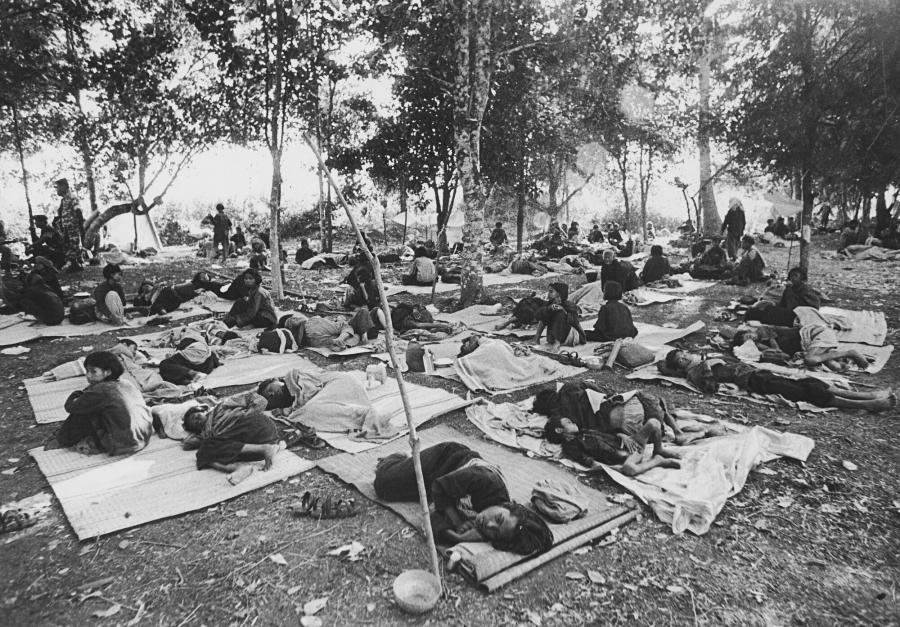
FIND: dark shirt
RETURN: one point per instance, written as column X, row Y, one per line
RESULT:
column 614, row 237
column 622, row 272
column 715, row 256
column 801, row 296
column 787, row 338
column 595, row 236
column 498, row 236
column 614, row 322
column 560, row 322
column 239, row 240
column 655, row 269
column 734, row 222
column 116, row 409
column 100, row 293
column 221, row 224
column 304, row 253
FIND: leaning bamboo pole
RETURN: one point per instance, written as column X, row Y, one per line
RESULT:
column 414, row 443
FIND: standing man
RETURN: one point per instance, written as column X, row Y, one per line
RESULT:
column 735, row 222
column 71, row 223
column 221, row 229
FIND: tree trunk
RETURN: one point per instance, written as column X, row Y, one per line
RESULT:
column 882, row 213
column 275, row 148
column 553, row 188
column 18, row 139
column 622, row 160
column 403, row 208
column 520, row 206
column 806, row 218
column 712, row 222
column 472, row 84
column 93, row 228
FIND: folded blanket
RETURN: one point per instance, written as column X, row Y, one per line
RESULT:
column 514, row 425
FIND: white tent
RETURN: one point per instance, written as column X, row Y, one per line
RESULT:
column 427, row 222
column 130, row 232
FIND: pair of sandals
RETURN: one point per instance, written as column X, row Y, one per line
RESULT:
column 309, row 439
column 15, row 520
column 318, row 508
column 571, row 358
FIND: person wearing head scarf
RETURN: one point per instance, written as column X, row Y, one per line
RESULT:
column 733, row 226
column 618, row 270
column 560, row 318
column 33, row 295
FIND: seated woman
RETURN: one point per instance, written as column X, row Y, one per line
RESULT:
column 615, row 434
column 750, row 266
column 109, row 415
column 614, row 318
column 657, row 265
column 817, row 343
column 712, row 263
column 108, row 302
column 422, row 270
column 234, row 430
column 33, row 296
column 560, row 318
column 255, row 309
column 618, row 270
column 259, row 252
column 304, row 252
column 362, row 290
column 797, row 293
column 192, row 358
column 470, row 497
column 708, row 374
column 162, row 299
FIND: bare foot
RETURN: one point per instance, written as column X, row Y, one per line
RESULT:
column 669, row 463
column 269, row 453
column 668, row 454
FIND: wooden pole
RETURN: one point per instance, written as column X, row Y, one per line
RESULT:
column 18, row 137
column 414, row 443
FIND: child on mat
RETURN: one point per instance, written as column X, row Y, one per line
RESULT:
column 816, row 343
column 234, row 430
column 560, row 318
column 109, row 415
column 192, row 358
column 657, row 266
column 614, row 318
column 255, row 309
column 470, row 497
column 616, row 433
column 708, row 374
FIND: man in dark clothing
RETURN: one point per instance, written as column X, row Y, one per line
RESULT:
column 221, row 229
column 780, row 229
column 239, row 240
column 614, row 236
column 34, row 297
column 304, row 252
column 618, row 270
column 657, row 265
column 51, row 243
column 498, row 236
column 596, row 235
column 734, row 224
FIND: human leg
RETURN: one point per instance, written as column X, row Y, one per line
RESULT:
column 116, row 307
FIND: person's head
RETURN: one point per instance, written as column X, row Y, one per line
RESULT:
column 852, row 224
column 797, row 276
column 649, row 224
column 130, row 346
column 251, row 278
column 220, row 208
column 559, row 429
column 747, row 242
column 62, row 187
column 515, row 528
column 102, row 366
column 304, row 243
column 734, row 203
column 558, row 293
column 469, row 345
column 499, row 225
column 608, row 257
column 596, row 228
column 715, row 242
column 239, row 229
column 145, row 288
column 612, row 290
column 741, row 337
column 615, row 226
column 545, row 401
column 770, row 221
column 421, row 251
column 679, row 360
column 780, row 220
column 656, row 251
column 112, row 273
column 791, row 219
column 276, row 393
column 40, row 221
column 195, row 419
column 41, row 263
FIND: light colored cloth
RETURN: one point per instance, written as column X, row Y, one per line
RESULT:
column 341, row 406
column 514, row 425
column 423, row 269
column 494, row 366
column 817, row 338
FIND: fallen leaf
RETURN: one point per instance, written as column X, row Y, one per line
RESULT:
column 897, row 505
column 860, row 506
column 111, row 611
column 241, row 513
column 350, row 551
column 124, row 544
column 765, row 471
column 631, row 587
column 370, row 607
column 534, row 618
column 556, row 608
column 574, row 575
column 294, row 590
column 676, row 589
column 311, row 621
column 278, row 558
column 584, row 549
column 762, row 524
column 785, row 501
column 849, row 465
column 315, row 606
column 829, row 508
column 596, row 577
column 9, row 471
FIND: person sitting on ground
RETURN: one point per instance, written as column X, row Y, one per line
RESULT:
column 651, row 231
column 890, row 238
column 162, row 299
column 618, row 270
column 422, row 271
column 335, row 333
column 239, row 240
column 259, row 251
column 362, row 290
column 233, row 431
column 614, row 236
column 524, row 312
column 792, row 225
column 256, row 308
column 751, row 265
column 657, row 266
column 498, row 236
column 304, row 252
column 49, row 273
column 708, row 374
column 192, row 359
column 780, row 229
column 686, row 228
column 560, row 318
column 32, row 295
column 470, row 497
column 816, row 343
column 50, row 244
column 712, row 264
column 555, row 244
column 109, row 415
column 526, row 265
column 108, row 302
column 626, row 249
column 614, row 318
column 616, row 433
column 596, row 235
column 770, row 226
column 797, row 293
column 574, row 232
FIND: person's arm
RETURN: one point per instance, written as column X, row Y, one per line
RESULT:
column 539, row 331
column 83, row 401
column 479, row 484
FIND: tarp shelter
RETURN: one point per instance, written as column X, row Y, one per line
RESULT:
column 783, row 206
column 427, row 221
column 127, row 229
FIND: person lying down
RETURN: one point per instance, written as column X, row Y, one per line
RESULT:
column 469, row 496
column 709, row 374
column 596, row 430
column 816, row 343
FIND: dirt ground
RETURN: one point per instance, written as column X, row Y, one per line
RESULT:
column 805, row 544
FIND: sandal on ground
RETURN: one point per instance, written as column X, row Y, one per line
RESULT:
column 15, row 520
column 305, row 505
column 330, row 507
column 571, row 358
column 309, row 439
